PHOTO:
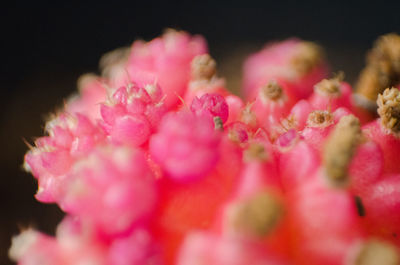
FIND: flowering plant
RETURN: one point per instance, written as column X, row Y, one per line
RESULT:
column 156, row 162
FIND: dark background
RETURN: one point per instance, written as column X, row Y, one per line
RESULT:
column 45, row 47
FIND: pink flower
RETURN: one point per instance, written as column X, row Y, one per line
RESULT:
column 132, row 114
column 165, row 60
column 70, row 137
column 186, row 145
column 212, row 105
column 106, row 186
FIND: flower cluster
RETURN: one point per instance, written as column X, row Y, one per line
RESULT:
column 156, row 162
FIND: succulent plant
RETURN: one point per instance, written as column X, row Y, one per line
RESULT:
column 157, row 162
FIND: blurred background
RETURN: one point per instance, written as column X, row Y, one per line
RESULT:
column 47, row 47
